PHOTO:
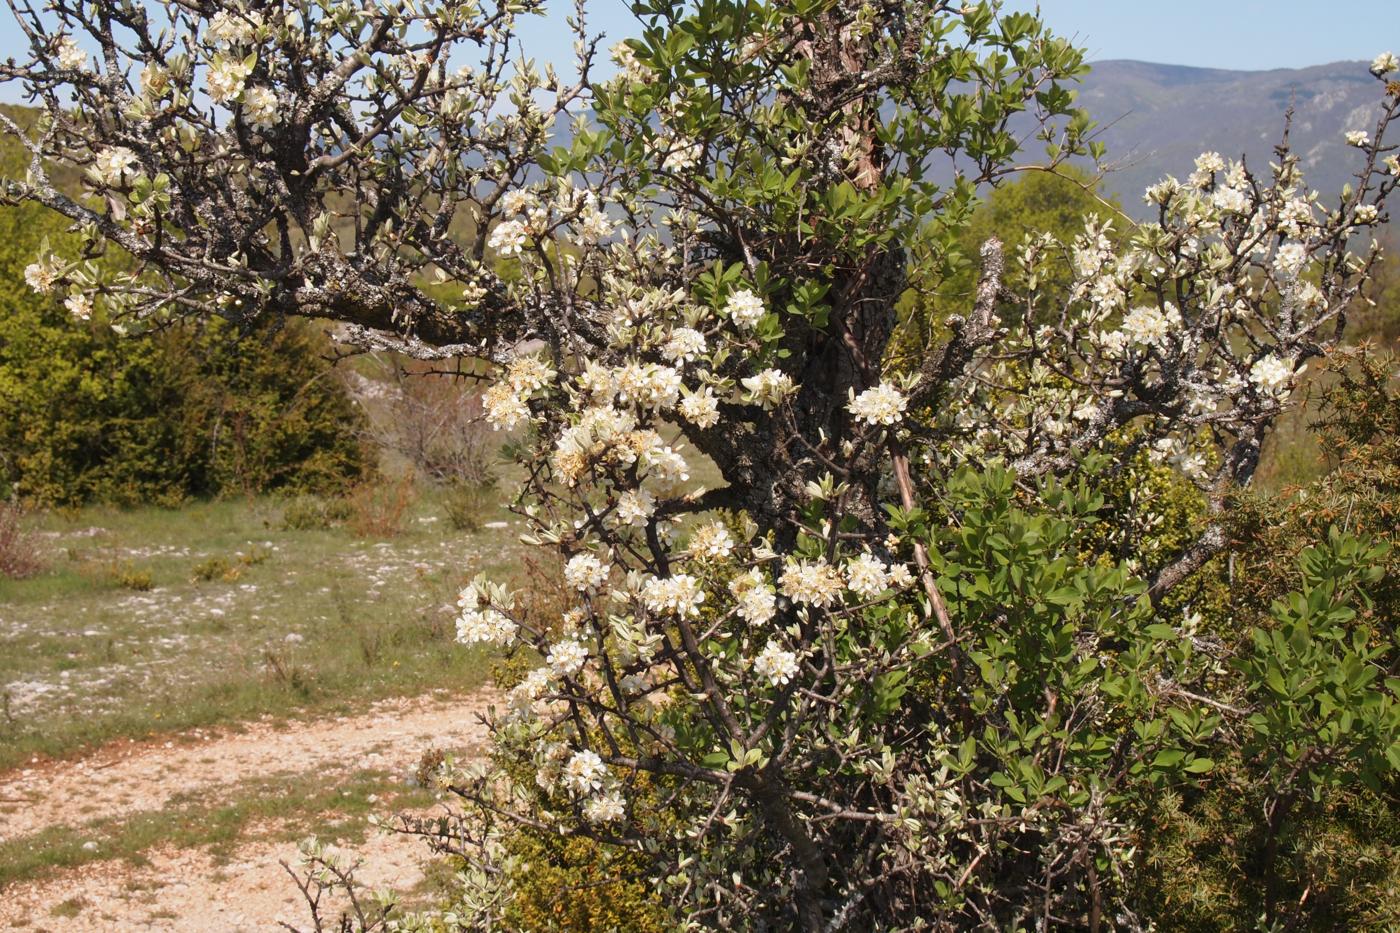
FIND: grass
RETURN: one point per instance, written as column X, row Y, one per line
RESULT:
column 1292, row 455
column 243, row 619
column 276, row 809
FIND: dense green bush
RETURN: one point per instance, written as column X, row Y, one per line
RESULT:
column 1268, row 835
column 1294, row 824
column 194, row 410
column 1296, row 828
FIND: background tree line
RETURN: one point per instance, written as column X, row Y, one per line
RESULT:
column 192, row 409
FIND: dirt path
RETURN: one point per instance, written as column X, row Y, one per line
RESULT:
column 145, row 777
column 184, row 890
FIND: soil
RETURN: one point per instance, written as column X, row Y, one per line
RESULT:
column 189, row 890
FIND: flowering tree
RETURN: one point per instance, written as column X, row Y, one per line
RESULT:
column 857, row 683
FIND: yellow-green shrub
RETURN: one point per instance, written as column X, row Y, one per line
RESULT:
column 573, row 883
column 193, row 410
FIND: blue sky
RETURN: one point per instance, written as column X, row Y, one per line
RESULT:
column 1242, row 34
column 1247, row 34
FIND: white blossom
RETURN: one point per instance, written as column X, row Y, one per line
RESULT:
column 1106, row 293
column 155, row 80
column 662, row 387
column 649, row 384
column 79, row 305
column 537, row 219
column 757, row 603
column 113, row 165
column 597, row 381
column 1294, row 216
column 226, row 79
column 1384, row 64
column 585, row 772
column 522, row 696
column 626, row 60
column 41, row 277
column 230, row 28
column 469, row 597
column 484, row 625
column 900, row 577
column 566, row 657
column 504, row 407
column 677, row 595
column 684, row 344
column 682, row 156
column 601, row 430
column 69, row 55
column 867, row 576
column 593, row 224
column 881, row 404
column 711, row 542
column 1161, row 192
column 586, row 573
column 634, row 507
column 605, row 808
column 744, row 308
column 260, row 106
column 814, row 583
column 1271, row 375
column 529, row 373
column 769, row 387
column 1193, row 464
column 1304, row 295
column 667, row 465
column 700, row 408
column 507, row 238
column 518, row 201
column 1230, row 199
column 775, row 664
column 1146, row 325
column 1210, row 162
column 1291, row 260
column 1357, row 138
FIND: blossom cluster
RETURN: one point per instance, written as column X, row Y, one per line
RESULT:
column 602, row 433
column 480, row 622
column 1197, row 318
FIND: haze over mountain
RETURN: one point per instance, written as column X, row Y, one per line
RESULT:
column 1156, row 119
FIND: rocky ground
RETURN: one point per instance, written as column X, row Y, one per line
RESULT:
column 242, row 888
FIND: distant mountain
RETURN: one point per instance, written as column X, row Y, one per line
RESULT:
column 1156, row 119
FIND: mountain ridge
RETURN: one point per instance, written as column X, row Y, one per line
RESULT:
column 1155, row 118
